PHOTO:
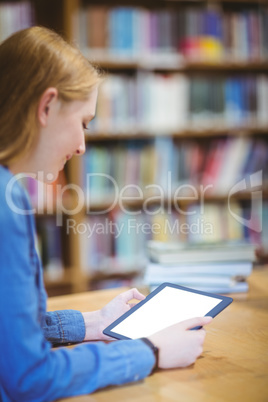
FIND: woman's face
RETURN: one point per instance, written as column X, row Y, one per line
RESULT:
column 61, row 137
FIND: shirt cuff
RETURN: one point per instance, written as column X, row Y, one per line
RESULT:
column 130, row 360
column 64, row 326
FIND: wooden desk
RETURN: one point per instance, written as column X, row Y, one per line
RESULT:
column 233, row 366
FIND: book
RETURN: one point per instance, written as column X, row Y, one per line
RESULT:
column 15, row 16
column 234, row 287
column 232, row 269
column 262, row 100
column 232, row 166
column 198, row 34
column 165, row 253
column 162, row 104
column 97, row 23
column 121, row 30
column 217, row 277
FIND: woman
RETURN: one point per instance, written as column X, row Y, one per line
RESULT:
column 48, row 96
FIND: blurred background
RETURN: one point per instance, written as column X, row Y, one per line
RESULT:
column 177, row 155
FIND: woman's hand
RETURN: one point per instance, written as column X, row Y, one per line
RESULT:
column 178, row 346
column 97, row 321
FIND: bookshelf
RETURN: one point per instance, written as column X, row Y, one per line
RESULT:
column 140, row 151
column 134, row 64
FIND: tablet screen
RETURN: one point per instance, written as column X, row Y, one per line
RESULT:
column 168, row 306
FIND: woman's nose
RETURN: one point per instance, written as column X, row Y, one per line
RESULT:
column 81, row 149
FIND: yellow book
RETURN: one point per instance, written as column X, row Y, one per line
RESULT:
column 210, row 48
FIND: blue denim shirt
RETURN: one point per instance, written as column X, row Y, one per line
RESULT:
column 29, row 369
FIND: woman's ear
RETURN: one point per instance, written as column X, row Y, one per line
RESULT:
column 46, row 101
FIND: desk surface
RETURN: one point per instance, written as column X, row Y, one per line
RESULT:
column 234, row 363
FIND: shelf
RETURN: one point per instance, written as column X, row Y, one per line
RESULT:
column 170, row 3
column 190, row 133
column 107, row 202
column 172, row 63
column 225, row 65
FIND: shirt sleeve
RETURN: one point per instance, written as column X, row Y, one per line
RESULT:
column 64, row 326
column 40, row 373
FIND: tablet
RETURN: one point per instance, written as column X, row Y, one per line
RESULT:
column 166, row 305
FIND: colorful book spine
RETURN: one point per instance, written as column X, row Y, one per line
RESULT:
column 197, row 33
column 171, row 103
column 162, row 165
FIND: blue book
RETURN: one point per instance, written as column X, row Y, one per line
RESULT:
column 212, row 24
column 125, row 244
column 121, row 21
column 239, row 97
column 234, row 101
column 165, row 162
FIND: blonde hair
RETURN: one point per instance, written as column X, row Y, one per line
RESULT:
column 31, row 61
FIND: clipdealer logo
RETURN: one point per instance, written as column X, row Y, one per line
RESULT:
column 254, row 185
column 151, row 193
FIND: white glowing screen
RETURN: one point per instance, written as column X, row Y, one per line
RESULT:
column 167, row 307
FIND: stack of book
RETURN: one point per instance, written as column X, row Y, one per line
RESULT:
column 216, row 268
